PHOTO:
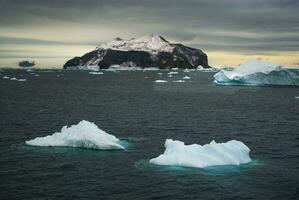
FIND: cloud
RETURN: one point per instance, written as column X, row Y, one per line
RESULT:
column 212, row 25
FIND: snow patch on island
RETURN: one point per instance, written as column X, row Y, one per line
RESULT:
column 199, row 156
column 258, row 73
column 150, row 43
column 85, row 134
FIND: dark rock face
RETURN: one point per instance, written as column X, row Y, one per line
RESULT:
column 165, row 56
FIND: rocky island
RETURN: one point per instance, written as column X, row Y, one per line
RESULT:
column 145, row 52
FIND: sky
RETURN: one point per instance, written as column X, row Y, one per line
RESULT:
column 230, row 31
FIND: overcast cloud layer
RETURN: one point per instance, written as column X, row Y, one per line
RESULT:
column 55, row 28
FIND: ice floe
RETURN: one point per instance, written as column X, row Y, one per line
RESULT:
column 85, row 134
column 199, row 156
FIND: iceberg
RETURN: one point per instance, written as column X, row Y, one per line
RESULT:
column 13, row 79
column 258, row 73
column 200, row 156
column 179, row 81
column 186, row 77
column 85, row 134
column 172, row 73
column 96, row 73
column 160, row 81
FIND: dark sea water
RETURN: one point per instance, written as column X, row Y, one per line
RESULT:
column 132, row 107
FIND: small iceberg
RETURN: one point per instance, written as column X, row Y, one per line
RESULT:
column 172, row 73
column 85, row 134
column 6, row 77
column 258, row 73
column 186, row 77
column 160, row 81
column 22, row 79
column 96, row 73
column 179, row 81
column 13, row 79
column 296, row 97
column 200, row 156
column 210, row 69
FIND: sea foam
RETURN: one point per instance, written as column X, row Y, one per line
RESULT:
column 85, row 134
column 199, row 156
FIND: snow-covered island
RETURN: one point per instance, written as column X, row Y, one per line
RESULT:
column 145, row 52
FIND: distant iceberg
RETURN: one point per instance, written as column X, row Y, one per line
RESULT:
column 85, row 134
column 258, row 73
column 199, row 156
column 179, row 81
column 160, row 81
column 96, row 73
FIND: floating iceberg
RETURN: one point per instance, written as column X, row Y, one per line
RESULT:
column 13, row 79
column 179, row 81
column 199, row 156
column 160, row 81
column 258, row 73
column 6, row 77
column 186, row 77
column 171, row 73
column 84, row 134
column 211, row 69
column 96, row 73
column 22, row 79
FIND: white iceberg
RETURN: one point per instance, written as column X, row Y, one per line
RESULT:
column 257, row 73
column 96, row 73
column 186, row 77
column 85, row 134
column 171, row 73
column 22, row 79
column 150, row 69
column 13, row 79
column 210, row 69
column 160, row 81
column 199, row 156
column 6, row 77
column 179, row 81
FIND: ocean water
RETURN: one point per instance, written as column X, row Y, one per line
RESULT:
column 131, row 106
